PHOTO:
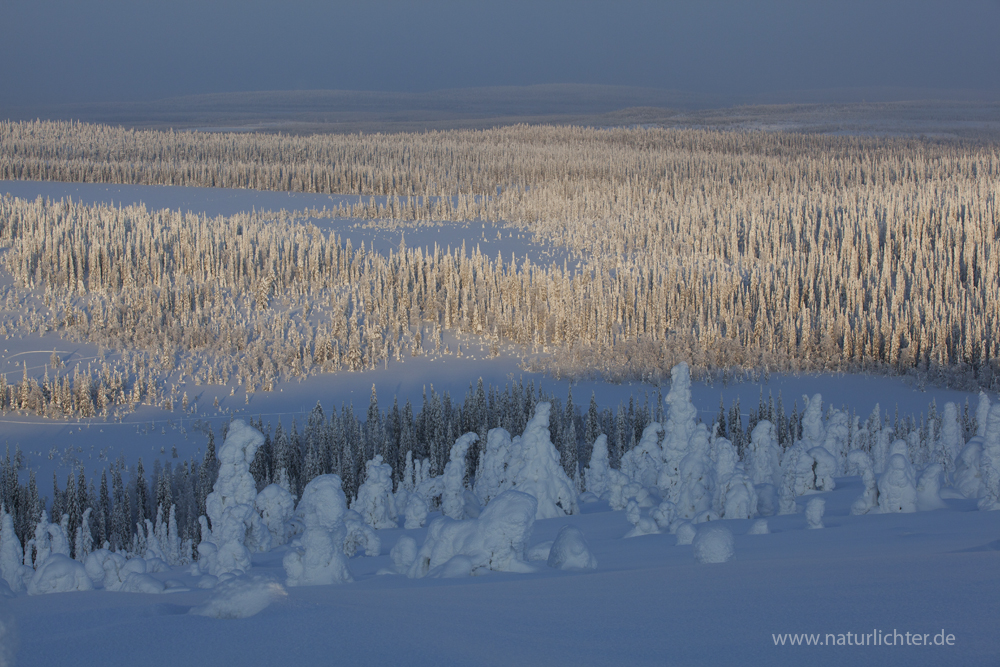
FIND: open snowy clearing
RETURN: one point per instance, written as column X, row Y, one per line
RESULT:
column 649, row 602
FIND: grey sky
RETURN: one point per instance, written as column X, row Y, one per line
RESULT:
column 55, row 51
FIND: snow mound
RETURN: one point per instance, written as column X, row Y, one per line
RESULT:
column 686, row 533
column 240, row 597
column 759, row 527
column 929, row 488
column 59, row 574
column 897, row 491
column 403, row 554
column 570, row 551
column 494, row 541
column 137, row 582
column 540, row 551
column 714, row 544
column 416, row 512
column 814, row 512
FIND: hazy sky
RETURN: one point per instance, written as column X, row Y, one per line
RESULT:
column 107, row 50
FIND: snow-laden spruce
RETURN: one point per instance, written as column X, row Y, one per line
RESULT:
column 678, row 432
column 453, row 498
column 495, row 541
column 317, row 557
column 276, row 507
column 897, row 490
column 11, row 565
column 763, row 457
column 231, row 507
column 989, row 462
column 375, row 503
column 595, row 476
column 535, row 468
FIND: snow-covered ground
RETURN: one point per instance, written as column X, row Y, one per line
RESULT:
column 649, row 602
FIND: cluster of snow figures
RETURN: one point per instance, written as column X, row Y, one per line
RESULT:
column 679, row 476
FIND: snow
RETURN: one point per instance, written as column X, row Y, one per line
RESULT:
column 240, row 597
column 569, row 551
column 495, row 541
column 276, row 506
column 375, row 502
column 713, row 544
column 897, row 491
column 453, row 499
column 231, row 506
column 59, row 574
column 814, row 513
column 317, row 556
column 535, row 468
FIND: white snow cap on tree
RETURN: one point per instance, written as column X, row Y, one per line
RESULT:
column 824, row 468
column 231, row 507
column 276, row 506
column 982, row 413
column 416, row 512
column 10, row 553
column 897, row 491
column 694, row 493
column 374, row 502
column 537, row 470
column 678, row 431
column 569, row 551
column 860, row 462
column 813, row 433
column 763, row 458
column 967, row 477
column 929, row 489
column 453, row 497
column 951, row 442
column 596, row 475
column 989, row 461
column 491, row 474
column 495, row 541
column 643, row 462
column 836, row 439
column 317, row 556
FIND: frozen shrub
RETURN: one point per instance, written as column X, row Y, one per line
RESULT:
column 713, row 544
column 759, row 527
column 570, row 551
column 642, row 463
column 491, row 474
column 664, row 514
column 767, row 499
column 814, row 512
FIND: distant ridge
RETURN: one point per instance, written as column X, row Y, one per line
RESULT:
column 970, row 114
